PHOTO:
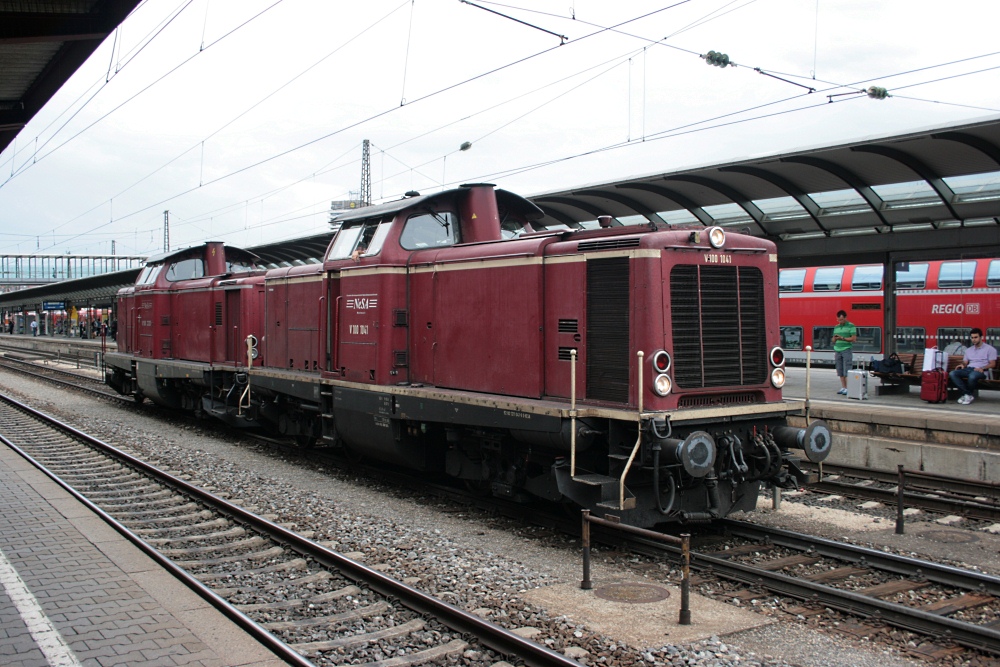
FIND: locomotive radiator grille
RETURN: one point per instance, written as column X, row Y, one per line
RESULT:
column 718, row 326
column 608, row 329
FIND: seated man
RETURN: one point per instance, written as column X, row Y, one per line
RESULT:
column 979, row 357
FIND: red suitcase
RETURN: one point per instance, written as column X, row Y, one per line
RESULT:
column 934, row 386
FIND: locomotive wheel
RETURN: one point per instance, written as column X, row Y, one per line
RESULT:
column 479, row 487
column 305, row 441
column 353, row 456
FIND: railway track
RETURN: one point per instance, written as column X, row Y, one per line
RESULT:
column 953, row 609
column 64, row 378
column 970, row 498
column 309, row 604
column 870, row 585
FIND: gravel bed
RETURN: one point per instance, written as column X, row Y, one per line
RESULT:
column 478, row 563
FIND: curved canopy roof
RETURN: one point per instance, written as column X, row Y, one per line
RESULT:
column 933, row 189
column 42, row 43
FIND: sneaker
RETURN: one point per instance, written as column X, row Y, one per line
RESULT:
column 969, row 399
column 842, row 392
column 964, row 399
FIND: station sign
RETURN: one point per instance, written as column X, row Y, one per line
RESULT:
column 53, row 305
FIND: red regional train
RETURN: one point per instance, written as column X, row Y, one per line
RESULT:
column 937, row 303
column 631, row 370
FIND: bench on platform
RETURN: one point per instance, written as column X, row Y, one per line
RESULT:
column 900, row 383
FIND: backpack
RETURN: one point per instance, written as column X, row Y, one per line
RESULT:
column 890, row 364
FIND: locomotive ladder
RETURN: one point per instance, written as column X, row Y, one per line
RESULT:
column 606, row 483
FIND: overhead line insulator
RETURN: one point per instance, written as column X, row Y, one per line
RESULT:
column 717, row 58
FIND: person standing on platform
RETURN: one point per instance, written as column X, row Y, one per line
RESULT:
column 844, row 335
column 979, row 358
column 34, row 328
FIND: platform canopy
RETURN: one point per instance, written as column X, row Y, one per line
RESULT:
column 933, row 193
column 42, row 43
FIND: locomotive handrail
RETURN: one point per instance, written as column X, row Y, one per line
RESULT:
column 638, row 440
column 572, row 413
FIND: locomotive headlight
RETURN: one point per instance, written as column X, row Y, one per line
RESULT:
column 778, row 377
column 716, row 236
column 662, row 384
column 661, row 361
column 777, row 357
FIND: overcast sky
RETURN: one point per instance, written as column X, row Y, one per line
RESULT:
column 245, row 118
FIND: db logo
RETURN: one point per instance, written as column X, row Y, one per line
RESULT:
column 955, row 309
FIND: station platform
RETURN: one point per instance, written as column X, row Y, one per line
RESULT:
column 74, row 592
column 886, row 431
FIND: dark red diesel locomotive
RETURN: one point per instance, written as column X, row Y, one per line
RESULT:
column 628, row 370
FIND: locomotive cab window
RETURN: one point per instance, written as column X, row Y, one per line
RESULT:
column 366, row 236
column 239, row 267
column 430, row 230
column 148, row 275
column 186, row 269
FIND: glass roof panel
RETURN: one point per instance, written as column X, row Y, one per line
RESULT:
column 679, row 217
column 898, row 192
column 727, row 212
column 835, row 198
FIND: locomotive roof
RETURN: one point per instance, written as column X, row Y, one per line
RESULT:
column 232, row 253
column 505, row 199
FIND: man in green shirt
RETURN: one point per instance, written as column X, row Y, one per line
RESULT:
column 844, row 335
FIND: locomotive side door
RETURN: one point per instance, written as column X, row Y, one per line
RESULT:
column 332, row 315
column 235, row 349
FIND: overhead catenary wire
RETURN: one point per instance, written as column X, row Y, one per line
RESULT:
column 134, row 96
column 508, row 122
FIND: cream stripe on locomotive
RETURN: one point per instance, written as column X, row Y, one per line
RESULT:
column 474, row 263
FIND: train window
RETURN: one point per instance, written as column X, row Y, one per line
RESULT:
column 993, row 277
column 914, row 277
column 869, row 339
column 993, row 336
column 956, row 274
column 366, row 236
column 374, row 240
column 953, row 340
column 186, row 269
column 430, row 230
column 867, row 278
column 828, row 279
column 910, row 339
column 239, row 267
column 148, row 275
column 791, row 338
column 791, row 280
column 344, row 244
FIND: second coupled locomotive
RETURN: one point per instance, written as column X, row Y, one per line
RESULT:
column 633, row 371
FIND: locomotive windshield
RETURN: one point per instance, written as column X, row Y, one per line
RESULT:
column 430, row 230
column 148, row 275
column 186, row 269
column 365, row 235
column 239, row 267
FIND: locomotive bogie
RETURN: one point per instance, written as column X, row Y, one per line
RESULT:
column 621, row 369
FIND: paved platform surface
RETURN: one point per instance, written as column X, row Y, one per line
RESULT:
column 75, row 592
column 893, row 409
